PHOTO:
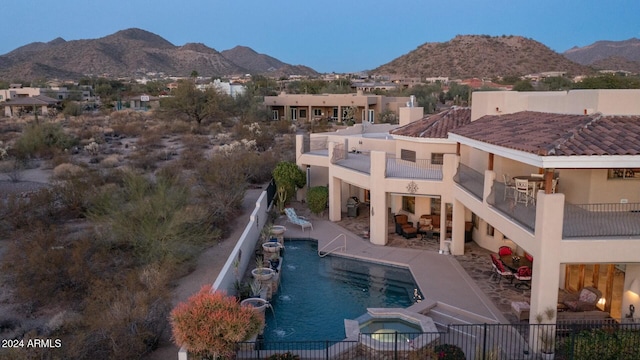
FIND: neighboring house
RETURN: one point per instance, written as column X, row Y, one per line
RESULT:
column 453, row 165
column 229, row 88
column 59, row 93
column 144, row 102
column 336, row 107
column 16, row 105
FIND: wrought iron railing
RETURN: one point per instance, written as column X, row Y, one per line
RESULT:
column 601, row 220
column 601, row 339
column 470, row 180
column 419, row 169
column 505, row 199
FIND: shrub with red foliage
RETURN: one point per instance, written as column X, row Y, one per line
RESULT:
column 211, row 323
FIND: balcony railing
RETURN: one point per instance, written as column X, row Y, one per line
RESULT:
column 339, row 153
column 420, row 169
column 503, row 198
column 314, row 144
column 470, row 180
column 601, row 220
column 355, row 161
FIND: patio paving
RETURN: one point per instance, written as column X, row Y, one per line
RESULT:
column 462, row 281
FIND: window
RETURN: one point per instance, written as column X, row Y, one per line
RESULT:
column 409, row 204
column 437, row 158
column 475, row 220
column 408, row 155
column 303, row 113
column 274, row 114
column 371, row 116
column 335, row 113
column 624, row 173
column 294, row 114
column 317, row 112
column 490, row 230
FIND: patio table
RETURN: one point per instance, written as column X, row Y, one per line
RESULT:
column 513, row 265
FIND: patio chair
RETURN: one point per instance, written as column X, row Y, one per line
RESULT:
column 298, row 220
column 523, row 275
column 523, row 191
column 499, row 270
column 509, row 186
column 504, row 251
column 585, row 300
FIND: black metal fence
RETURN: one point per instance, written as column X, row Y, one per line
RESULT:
column 271, row 191
column 603, row 339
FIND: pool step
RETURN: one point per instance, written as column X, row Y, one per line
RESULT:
column 366, row 281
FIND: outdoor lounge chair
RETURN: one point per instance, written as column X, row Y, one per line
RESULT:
column 298, row 220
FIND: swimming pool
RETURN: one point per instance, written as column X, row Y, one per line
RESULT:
column 317, row 294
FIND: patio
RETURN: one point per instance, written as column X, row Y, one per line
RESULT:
column 475, row 261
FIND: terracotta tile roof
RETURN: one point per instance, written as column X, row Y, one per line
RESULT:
column 436, row 125
column 549, row 134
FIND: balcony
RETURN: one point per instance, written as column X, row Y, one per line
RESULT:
column 581, row 221
column 470, row 180
column 503, row 199
column 601, row 220
column 355, row 161
column 420, row 169
column 315, row 146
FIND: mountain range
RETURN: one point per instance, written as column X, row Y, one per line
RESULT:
column 133, row 52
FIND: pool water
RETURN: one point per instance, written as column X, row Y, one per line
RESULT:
column 316, row 294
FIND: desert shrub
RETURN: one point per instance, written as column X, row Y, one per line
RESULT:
column 111, row 161
column 125, row 320
column 317, row 199
column 284, row 356
column 221, row 188
column 144, row 158
column 66, row 171
column 127, row 123
column 40, row 139
column 76, row 193
column 72, row 108
column 46, row 268
column 289, row 176
column 21, row 212
column 150, row 139
column 283, row 126
column 259, row 165
column 154, row 218
column 449, row 352
column 211, row 323
column 602, row 344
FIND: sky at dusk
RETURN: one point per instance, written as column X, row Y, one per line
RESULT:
column 328, row 35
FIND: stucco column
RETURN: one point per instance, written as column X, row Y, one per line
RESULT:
column 546, row 264
column 378, row 199
column 299, row 145
column 457, row 231
column 339, row 114
column 335, row 213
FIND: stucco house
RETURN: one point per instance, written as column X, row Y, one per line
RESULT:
column 336, row 107
column 581, row 224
